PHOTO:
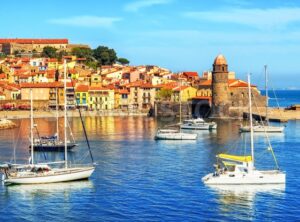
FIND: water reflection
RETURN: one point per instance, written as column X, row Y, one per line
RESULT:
column 32, row 190
column 233, row 199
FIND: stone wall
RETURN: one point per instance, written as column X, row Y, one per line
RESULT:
column 172, row 109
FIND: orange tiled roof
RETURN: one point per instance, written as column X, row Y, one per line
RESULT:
column 98, row 88
column 82, row 88
column 41, row 85
column 180, row 88
column 191, row 74
column 35, row 41
column 206, row 83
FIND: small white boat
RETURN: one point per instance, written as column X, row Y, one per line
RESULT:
column 198, row 124
column 262, row 129
column 171, row 134
column 240, row 170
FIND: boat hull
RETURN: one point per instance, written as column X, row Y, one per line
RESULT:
column 54, row 148
column 262, row 129
column 198, row 127
column 256, row 177
column 176, row 136
column 59, row 175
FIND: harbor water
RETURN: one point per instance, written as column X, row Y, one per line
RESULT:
column 140, row 179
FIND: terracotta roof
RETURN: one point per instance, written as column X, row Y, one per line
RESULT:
column 238, row 83
column 52, row 60
column 35, row 41
column 123, row 91
column 169, row 85
column 81, row 59
column 180, row 88
column 231, row 83
column 72, row 71
column 205, row 83
column 82, row 88
column 191, row 74
column 41, row 85
column 98, row 88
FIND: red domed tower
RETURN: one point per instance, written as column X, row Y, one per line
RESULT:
column 220, row 102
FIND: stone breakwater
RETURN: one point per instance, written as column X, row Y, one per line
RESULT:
column 7, row 124
column 273, row 113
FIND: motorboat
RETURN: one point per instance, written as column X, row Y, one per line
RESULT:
column 171, row 134
column 198, row 124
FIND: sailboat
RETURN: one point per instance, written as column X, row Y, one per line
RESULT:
column 36, row 173
column 173, row 134
column 52, row 143
column 240, row 170
column 264, row 127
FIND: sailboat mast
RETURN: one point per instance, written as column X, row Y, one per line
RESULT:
column 267, row 94
column 65, row 114
column 57, row 128
column 251, row 123
column 180, row 101
column 31, row 125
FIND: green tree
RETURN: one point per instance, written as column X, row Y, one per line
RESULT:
column 105, row 55
column 123, row 61
column 81, row 52
column 17, row 53
column 164, row 94
column 61, row 54
column 49, row 52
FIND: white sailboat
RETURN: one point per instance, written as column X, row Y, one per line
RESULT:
column 264, row 127
column 240, row 170
column 34, row 173
column 173, row 134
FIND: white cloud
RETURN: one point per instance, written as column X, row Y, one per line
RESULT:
column 137, row 5
column 274, row 18
column 86, row 21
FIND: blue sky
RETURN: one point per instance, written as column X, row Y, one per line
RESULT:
column 176, row 34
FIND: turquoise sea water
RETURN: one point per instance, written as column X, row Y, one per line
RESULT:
column 139, row 179
column 283, row 98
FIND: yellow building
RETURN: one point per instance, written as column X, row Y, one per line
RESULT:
column 121, row 99
column 101, row 98
column 82, row 96
column 186, row 93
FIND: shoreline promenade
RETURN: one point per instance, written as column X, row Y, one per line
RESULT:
column 71, row 113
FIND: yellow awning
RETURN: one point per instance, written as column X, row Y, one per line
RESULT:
column 226, row 163
column 235, row 158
